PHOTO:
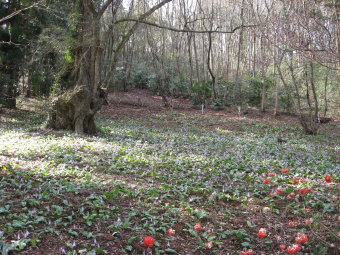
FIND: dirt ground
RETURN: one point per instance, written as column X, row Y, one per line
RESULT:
column 142, row 104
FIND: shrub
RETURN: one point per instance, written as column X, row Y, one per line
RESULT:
column 199, row 91
column 218, row 105
column 178, row 86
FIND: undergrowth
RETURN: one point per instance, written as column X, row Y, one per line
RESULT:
column 68, row 194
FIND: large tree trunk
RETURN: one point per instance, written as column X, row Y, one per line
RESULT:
column 75, row 110
column 76, row 107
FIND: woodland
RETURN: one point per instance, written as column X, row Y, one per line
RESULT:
column 169, row 127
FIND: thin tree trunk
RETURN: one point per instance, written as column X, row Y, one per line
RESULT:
column 325, row 96
column 198, row 77
column 315, row 97
column 254, row 53
column 264, row 87
column 297, row 91
column 213, row 78
column 227, row 71
column 240, row 45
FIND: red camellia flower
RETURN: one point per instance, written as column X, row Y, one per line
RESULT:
column 297, row 247
column 271, row 174
column 294, row 249
column 328, row 178
column 271, row 194
column 279, row 190
column 296, row 180
column 149, row 241
column 250, row 252
column 307, row 209
column 292, row 223
column 171, row 232
column 266, row 181
column 288, row 197
column 198, row 227
column 303, row 191
column 262, row 233
column 301, row 238
column 282, row 247
column 285, row 170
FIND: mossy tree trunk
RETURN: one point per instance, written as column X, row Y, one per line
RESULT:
column 76, row 107
column 84, row 95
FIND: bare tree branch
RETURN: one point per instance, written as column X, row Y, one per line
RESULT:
column 18, row 12
column 10, row 43
column 104, row 7
column 184, row 30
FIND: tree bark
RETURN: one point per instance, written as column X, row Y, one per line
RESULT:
column 315, row 97
column 325, row 94
column 76, row 108
column 213, row 78
column 239, row 52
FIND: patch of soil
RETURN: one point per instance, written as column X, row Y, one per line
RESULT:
column 142, row 104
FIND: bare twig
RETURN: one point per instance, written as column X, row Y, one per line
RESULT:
column 18, row 12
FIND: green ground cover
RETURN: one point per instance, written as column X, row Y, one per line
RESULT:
column 67, row 194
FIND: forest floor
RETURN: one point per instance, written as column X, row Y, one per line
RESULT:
column 153, row 168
